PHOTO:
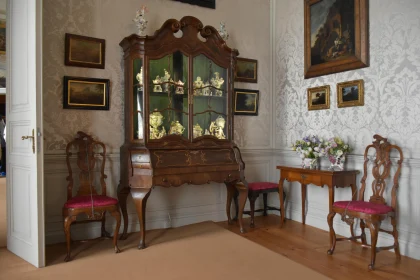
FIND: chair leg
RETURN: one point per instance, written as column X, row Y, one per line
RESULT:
column 117, row 215
column 252, row 199
column 333, row 240
column 395, row 234
column 374, row 229
column 67, row 224
column 265, row 203
column 362, row 227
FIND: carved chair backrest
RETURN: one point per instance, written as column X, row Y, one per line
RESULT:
column 381, row 170
column 87, row 155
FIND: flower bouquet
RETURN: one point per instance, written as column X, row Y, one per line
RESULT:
column 310, row 149
column 336, row 151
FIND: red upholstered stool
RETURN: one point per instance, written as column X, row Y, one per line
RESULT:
column 254, row 191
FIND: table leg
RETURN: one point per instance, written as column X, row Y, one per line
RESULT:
column 303, row 186
column 243, row 194
column 282, row 213
column 122, row 199
column 331, row 190
column 140, row 196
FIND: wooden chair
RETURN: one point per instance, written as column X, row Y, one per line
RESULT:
column 371, row 213
column 87, row 201
column 254, row 191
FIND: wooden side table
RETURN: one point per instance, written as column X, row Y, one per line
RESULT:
column 318, row 177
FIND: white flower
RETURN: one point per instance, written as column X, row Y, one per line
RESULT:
column 302, row 156
column 339, row 152
column 310, row 149
column 316, row 149
column 309, row 143
column 345, row 146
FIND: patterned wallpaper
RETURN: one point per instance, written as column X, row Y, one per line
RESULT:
column 392, row 82
column 101, row 19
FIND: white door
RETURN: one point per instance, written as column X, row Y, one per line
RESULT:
column 24, row 174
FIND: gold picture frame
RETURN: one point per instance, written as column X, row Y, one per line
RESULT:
column 83, row 51
column 337, row 40
column 246, row 70
column 319, row 98
column 350, row 94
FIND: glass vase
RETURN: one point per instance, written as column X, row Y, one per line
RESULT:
column 310, row 163
column 337, row 162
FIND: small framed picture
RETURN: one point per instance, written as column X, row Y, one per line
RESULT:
column 246, row 70
column 319, row 98
column 350, row 94
column 85, row 93
column 84, row 51
column 246, row 102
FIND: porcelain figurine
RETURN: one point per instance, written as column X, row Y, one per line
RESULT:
column 217, row 127
column 179, row 87
column 155, row 121
column 207, row 132
column 223, row 32
column 217, row 82
column 206, row 90
column 139, row 78
column 197, row 131
column 166, row 79
column 141, row 21
column 198, row 85
column 157, row 82
column 176, row 128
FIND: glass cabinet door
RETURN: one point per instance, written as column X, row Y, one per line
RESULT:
column 209, row 98
column 138, row 98
column 168, row 96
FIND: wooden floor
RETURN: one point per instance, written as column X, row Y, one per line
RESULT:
column 308, row 246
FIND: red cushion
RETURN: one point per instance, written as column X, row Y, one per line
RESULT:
column 85, row 201
column 262, row 186
column 364, row 207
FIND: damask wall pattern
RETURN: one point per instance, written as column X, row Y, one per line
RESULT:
column 101, row 19
column 392, row 82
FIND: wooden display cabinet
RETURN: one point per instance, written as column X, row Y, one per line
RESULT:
column 178, row 115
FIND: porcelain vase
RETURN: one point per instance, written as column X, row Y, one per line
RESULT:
column 337, row 162
column 310, row 163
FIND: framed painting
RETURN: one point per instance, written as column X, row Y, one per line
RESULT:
column 246, row 102
column 85, row 93
column 336, row 36
column 350, row 94
column 319, row 98
column 84, row 51
column 203, row 3
column 246, row 70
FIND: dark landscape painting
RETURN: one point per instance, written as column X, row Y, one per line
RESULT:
column 246, row 102
column 332, row 30
column 85, row 51
column 318, row 98
column 350, row 93
column 86, row 93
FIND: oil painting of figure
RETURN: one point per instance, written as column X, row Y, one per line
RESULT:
column 332, row 30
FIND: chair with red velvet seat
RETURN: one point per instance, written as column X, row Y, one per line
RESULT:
column 371, row 213
column 90, row 161
column 254, row 191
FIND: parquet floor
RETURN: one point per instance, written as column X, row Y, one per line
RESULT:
column 308, row 246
